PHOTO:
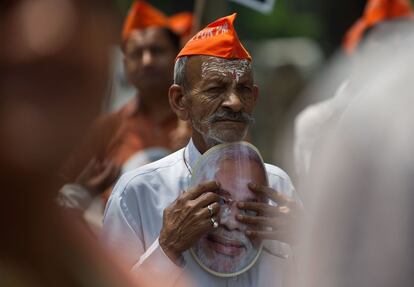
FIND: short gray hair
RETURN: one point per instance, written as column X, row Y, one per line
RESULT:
column 180, row 71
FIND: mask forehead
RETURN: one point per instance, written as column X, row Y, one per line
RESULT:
column 235, row 174
column 234, row 165
column 219, row 67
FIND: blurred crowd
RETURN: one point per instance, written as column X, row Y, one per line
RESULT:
column 163, row 190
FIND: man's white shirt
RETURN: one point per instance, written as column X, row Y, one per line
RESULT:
column 133, row 220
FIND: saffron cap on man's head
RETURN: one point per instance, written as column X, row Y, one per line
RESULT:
column 142, row 15
column 376, row 11
column 218, row 39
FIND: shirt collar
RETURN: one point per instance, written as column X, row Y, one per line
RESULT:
column 191, row 154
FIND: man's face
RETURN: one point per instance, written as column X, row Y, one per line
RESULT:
column 227, row 249
column 221, row 97
column 149, row 58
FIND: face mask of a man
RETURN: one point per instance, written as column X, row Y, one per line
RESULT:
column 227, row 251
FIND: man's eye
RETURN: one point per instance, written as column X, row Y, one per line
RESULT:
column 215, row 90
column 135, row 54
column 244, row 88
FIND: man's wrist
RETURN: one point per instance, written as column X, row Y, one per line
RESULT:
column 174, row 256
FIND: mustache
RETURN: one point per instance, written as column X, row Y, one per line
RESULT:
column 225, row 115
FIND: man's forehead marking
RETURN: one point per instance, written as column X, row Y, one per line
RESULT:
column 222, row 67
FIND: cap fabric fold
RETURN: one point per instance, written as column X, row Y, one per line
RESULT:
column 218, row 39
column 142, row 15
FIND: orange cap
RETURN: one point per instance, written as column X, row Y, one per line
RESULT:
column 376, row 11
column 218, row 39
column 181, row 23
column 142, row 15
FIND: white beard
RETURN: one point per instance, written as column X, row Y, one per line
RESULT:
column 215, row 136
column 223, row 263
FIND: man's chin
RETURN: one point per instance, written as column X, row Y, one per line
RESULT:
column 218, row 136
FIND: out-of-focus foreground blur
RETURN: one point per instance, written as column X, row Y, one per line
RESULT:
column 54, row 62
column 359, row 187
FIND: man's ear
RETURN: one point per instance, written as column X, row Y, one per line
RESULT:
column 177, row 102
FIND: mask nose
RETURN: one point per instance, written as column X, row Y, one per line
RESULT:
column 228, row 218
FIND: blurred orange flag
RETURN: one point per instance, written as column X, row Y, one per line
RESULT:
column 218, row 39
column 142, row 15
column 376, row 11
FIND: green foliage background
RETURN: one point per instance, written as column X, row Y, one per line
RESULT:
column 322, row 20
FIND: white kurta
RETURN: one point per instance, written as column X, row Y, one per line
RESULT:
column 133, row 220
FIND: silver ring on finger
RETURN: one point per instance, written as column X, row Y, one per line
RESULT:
column 214, row 222
column 210, row 209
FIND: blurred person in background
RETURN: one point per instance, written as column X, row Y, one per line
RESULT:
column 53, row 75
column 360, row 229
column 143, row 130
column 154, row 217
column 383, row 21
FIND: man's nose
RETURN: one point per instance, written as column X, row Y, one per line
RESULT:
column 147, row 58
column 233, row 102
column 228, row 218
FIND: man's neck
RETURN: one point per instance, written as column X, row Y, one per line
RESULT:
column 155, row 105
column 201, row 143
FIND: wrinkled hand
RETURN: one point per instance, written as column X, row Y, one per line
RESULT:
column 97, row 176
column 271, row 222
column 187, row 219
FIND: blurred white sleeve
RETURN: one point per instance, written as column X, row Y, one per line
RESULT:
column 124, row 235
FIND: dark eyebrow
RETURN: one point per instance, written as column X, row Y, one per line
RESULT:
column 245, row 81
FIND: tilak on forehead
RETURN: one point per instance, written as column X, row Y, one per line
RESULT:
column 225, row 68
column 218, row 39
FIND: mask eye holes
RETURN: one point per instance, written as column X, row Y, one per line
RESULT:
column 222, row 201
column 225, row 201
column 248, row 212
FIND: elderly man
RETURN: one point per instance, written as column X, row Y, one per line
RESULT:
column 153, row 216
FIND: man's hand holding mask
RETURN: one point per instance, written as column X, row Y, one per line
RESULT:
column 188, row 218
column 273, row 221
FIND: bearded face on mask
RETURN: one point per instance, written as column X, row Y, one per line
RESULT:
column 227, row 249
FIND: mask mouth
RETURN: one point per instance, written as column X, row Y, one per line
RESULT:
column 226, row 246
column 225, row 241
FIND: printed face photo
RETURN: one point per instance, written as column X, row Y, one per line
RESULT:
column 227, row 249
